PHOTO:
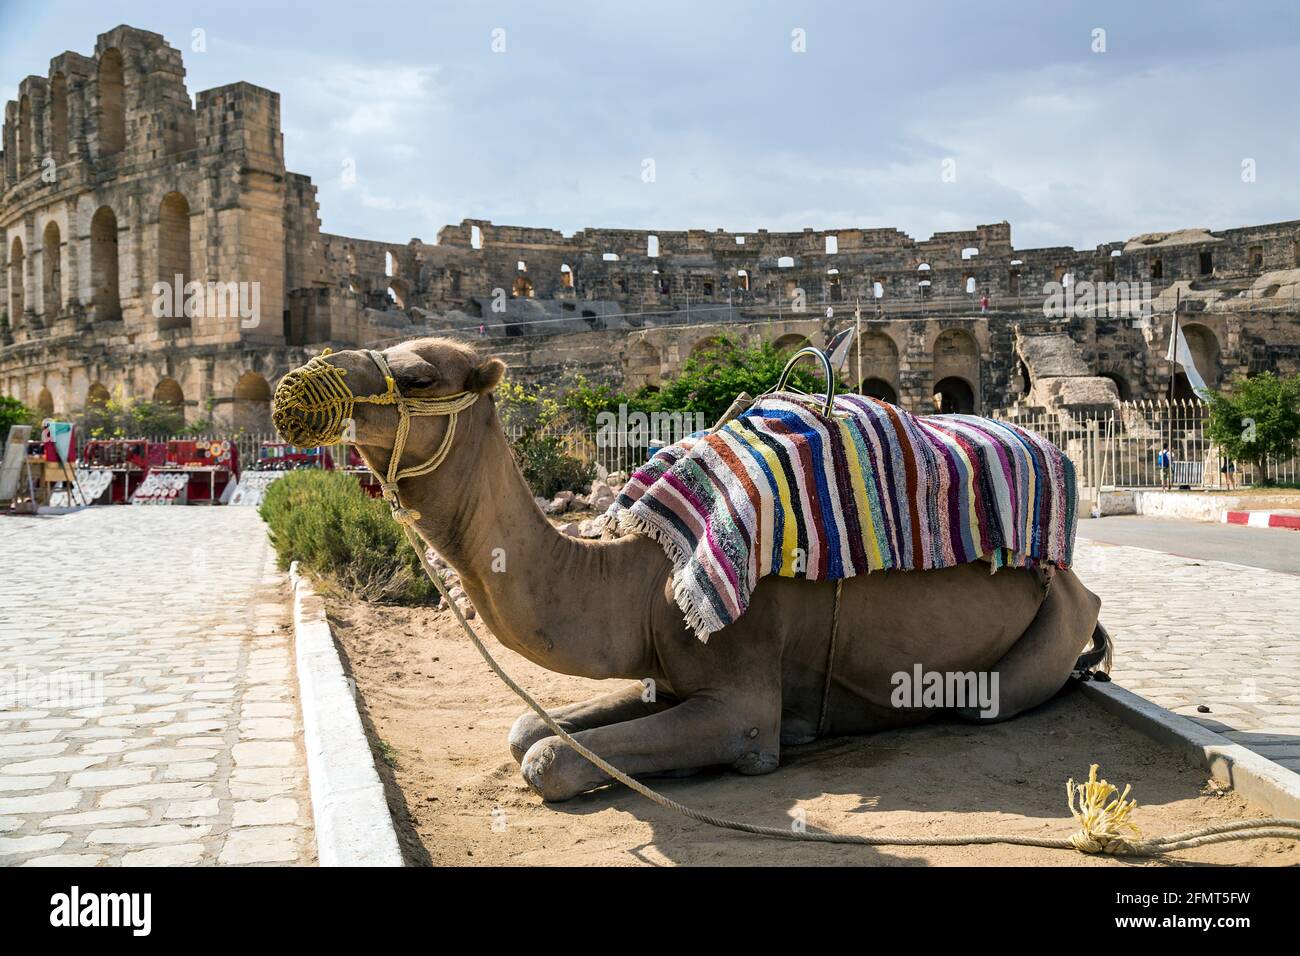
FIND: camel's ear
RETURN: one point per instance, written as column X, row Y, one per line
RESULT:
column 485, row 376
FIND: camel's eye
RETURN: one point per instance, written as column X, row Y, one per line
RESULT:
column 419, row 380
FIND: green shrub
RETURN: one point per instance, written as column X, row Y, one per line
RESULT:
column 14, row 412
column 1258, row 420
column 547, row 468
column 324, row 520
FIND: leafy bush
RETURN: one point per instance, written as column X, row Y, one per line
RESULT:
column 547, row 468
column 1258, row 420
column 120, row 417
column 13, row 412
column 325, row 521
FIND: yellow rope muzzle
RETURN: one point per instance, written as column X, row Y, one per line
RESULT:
column 313, row 406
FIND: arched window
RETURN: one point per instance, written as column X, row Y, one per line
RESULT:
column 51, row 270
column 59, row 118
column 174, row 255
column 390, row 264
column 832, row 245
column 652, row 246
column 112, row 104
column 45, row 403
column 103, row 266
column 785, row 262
column 566, row 276
column 17, row 291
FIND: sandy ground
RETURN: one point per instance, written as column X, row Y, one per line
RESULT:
column 438, row 720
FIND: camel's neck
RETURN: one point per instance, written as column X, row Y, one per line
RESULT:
column 574, row 606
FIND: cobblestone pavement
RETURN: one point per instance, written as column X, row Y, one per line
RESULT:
column 148, row 702
column 1191, row 632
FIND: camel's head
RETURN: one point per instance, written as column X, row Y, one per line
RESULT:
column 345, row 396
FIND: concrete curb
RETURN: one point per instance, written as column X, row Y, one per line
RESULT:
column 353, row 825
column 1264, row 519
column 1262, row 782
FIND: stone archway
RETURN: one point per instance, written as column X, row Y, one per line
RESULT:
column 1204, row 346
column 791, row 342
column 956, row 356
column 879, row 388
column 252, row 406
column 954, row 396
column 642, row 366
column 51, row 270
column 112, row 103
column 878, row 362
column 45, row 403
column 174, row 256
column 17, row 289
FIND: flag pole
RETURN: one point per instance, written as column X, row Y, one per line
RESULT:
column 1173, row 377
column 857, row 344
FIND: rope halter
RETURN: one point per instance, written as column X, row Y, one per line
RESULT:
column 313, row 406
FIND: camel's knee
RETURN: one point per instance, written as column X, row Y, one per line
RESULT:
column 525, row 732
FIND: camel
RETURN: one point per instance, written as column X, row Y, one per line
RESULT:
column 604, row 609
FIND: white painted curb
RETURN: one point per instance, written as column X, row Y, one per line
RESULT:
column 353, row 825
column 1260, row 781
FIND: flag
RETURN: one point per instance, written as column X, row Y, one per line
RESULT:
column 1182, row 355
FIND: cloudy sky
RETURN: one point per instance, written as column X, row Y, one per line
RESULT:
column 922, row 116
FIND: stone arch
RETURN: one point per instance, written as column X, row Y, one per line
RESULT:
column 566, row 276
column 252, row 411
column 1204, row 346
column 790, row 342
column 59, row 118
column 710, row 343
column 879, row 388
column 174, row 255
column 97, row 394
column 45, row 403
column 105, row 290
column 17, row 289
column 51, row 270
column 26, row 128
column 392, row 267
column 642, row 365
column 523, row 287
column 954, row 395
column 112, row 103
column 169, row 392
column 955, row 355
column 396, row 293
column 1122, row 387
column 879, row 361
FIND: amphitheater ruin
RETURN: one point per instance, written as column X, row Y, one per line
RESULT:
column 156, row 247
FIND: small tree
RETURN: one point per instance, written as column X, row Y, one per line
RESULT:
column 13, row 412
column 710, row 381
column 1258, row 420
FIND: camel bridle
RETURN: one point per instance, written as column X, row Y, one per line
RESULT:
column 313, row 406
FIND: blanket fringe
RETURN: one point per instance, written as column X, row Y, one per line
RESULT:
column 628, row 523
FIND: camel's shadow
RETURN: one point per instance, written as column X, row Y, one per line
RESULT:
column 934, row 779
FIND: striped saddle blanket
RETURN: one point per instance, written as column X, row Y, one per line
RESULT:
column 782, row 489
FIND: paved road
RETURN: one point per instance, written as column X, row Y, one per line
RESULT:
column 1192, row 632
column 1275, row 549
column 148, row 710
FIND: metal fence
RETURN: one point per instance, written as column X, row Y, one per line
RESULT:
column 1121, row 449
column 1115, row 449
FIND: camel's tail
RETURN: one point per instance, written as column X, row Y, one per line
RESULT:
column 1099, row 657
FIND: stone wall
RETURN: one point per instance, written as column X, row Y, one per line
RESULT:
column 110, row 182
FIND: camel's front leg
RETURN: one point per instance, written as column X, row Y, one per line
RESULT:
column 627, row 703
column 699, row 732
